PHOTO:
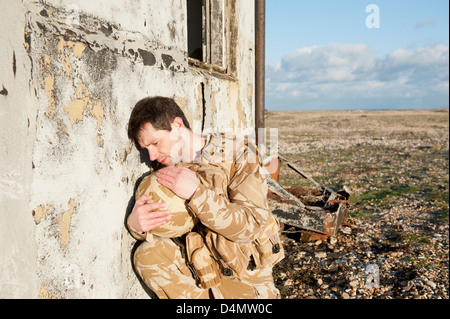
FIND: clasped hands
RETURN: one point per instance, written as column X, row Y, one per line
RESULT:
column 180, row 180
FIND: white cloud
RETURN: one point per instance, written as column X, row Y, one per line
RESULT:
column 351, row 75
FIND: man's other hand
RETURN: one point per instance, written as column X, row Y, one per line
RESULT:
column 145, row 217
column 180, row 180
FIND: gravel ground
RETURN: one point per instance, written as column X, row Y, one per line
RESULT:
column 396, row 242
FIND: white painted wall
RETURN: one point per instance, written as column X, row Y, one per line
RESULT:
column 67, row 169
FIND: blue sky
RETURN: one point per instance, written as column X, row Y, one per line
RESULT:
column 321, row 55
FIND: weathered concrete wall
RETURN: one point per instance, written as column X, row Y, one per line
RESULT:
column 18, row 252
column 70, row 73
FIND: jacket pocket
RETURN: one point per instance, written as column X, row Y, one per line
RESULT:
column 268, row 245
column 232, row 257
column 201, row 261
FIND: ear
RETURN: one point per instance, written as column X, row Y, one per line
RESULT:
column 177, row 124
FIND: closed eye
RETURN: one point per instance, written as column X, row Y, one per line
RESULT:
column 152, row 143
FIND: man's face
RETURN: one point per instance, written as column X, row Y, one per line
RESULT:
column 161, row 144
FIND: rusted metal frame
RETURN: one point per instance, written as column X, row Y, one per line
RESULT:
column 299, row 171
column 260, row 35
column 315, row 220
column 332, row 194
column 309, row 218
column 280, row 191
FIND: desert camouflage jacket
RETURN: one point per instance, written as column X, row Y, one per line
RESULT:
column 231, row 201
column 236, row 207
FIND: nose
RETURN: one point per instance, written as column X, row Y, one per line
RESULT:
column 152, row 152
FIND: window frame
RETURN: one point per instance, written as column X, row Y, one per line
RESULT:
column 215, row 37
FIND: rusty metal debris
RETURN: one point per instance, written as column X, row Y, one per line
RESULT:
column 318, row 212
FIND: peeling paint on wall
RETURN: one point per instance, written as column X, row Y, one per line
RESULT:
column 121, row 158
column 49, row 292
column 239, row 106
column 41, row 212
column 64, row 222
column 66, row 49
column 84, row 103
column 49, row 83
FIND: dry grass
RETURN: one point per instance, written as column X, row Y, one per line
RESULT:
column 382, row 123
column 396, row 164
column 337, row 147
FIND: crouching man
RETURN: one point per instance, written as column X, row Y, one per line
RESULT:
column 223, row 240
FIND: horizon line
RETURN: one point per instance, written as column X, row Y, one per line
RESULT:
column 362, row 109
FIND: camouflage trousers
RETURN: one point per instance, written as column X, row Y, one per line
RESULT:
column 162, row 266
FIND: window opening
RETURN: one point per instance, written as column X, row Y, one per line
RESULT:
column 206, row 29
column 195, row 29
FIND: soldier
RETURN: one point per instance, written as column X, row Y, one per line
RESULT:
column 235, row 242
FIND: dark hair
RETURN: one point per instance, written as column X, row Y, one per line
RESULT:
column 158, row 111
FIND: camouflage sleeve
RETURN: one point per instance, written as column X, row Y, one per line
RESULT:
column 241, row 214
column 136, row 235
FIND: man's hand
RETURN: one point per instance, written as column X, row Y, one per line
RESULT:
column 145, row 217
column 180, row 180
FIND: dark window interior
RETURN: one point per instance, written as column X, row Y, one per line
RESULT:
column 194, row 29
